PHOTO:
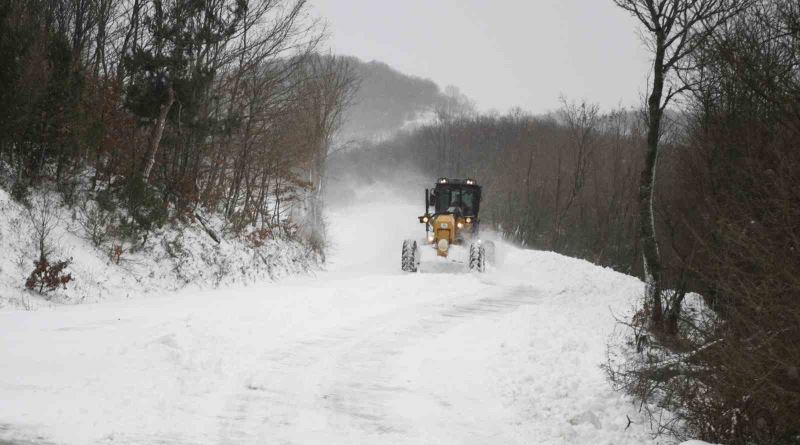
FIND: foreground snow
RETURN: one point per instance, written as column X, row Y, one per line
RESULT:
column 359, row 354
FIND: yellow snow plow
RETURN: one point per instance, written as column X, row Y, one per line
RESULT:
column 453, row 222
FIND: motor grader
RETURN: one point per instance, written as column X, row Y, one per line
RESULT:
column 453, row 224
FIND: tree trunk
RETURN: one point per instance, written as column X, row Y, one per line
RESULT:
column 674, row 313
column 158, row 131
column 650, row 255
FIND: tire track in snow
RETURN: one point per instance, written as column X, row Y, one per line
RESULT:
column 282, row 399
column 364, row 402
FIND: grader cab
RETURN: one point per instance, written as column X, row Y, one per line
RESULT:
column 453, row 225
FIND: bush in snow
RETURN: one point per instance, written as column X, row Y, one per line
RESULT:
column 94, row 220
column 258, row 237
column 48, row 277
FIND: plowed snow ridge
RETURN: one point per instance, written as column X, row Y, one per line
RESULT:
column 359, row 354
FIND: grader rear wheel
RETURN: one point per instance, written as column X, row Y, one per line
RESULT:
column 477, row 258
column 410, row 260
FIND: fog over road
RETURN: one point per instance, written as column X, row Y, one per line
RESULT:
column 358, row 354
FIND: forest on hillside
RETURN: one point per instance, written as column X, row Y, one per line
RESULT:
column 141, row 112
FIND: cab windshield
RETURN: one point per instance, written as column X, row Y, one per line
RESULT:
column 456, row 200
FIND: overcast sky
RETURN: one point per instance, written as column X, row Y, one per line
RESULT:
column 500, row 53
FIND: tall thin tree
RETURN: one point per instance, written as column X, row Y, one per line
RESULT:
column 674, row 29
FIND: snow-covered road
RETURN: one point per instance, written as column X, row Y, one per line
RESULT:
column 358, row 354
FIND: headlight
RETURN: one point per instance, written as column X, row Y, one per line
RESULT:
column 469, row 220
column 430, row 238
column 460, row 225
column 424, row 219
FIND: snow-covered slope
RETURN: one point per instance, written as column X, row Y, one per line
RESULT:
column 175, row 258
column 359, row 354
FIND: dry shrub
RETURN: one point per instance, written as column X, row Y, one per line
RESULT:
column 753, row 270
column 48, row 277
column 257, row 238
column 95, row 221
column 116, row 253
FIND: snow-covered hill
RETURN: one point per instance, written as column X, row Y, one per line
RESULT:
column 358, row 354
column 184, row 257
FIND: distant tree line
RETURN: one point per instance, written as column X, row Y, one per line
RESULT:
column 564, row 182
column 164, row 107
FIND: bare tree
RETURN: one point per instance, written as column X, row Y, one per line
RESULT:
column 581, row 121
column 43, row 217
column 329, row 86
column 674, row 29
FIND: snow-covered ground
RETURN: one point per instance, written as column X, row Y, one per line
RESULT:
column 358, row 354
column 175, row 257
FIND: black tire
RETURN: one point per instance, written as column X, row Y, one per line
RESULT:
column 477, row 258
column 410, row 260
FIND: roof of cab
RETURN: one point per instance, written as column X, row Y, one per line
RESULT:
column 455, row 181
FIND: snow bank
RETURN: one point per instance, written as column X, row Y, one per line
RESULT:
column 175, row 257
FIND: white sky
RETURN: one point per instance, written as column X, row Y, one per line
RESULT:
column 500, row 53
